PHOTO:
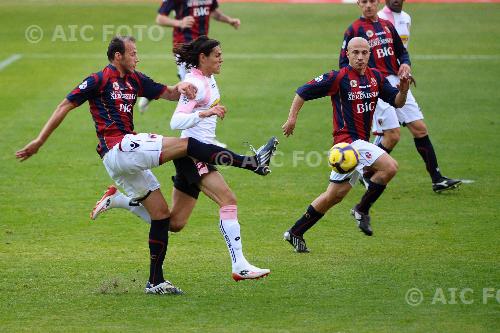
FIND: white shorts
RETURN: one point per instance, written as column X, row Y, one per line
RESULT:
column 387, row 117
column 368, row 154
column 129, row 162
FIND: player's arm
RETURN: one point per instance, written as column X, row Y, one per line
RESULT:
column 321, row 86
column 167, row 21
column 175, row 92
column 217, row 15
column 401, row 53
column 54, row 121
column 289, row 125
column 343, row 60
column 393, row 96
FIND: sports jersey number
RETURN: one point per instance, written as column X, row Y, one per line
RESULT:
column 385, row 52
column 201, row 11
column 365, row 107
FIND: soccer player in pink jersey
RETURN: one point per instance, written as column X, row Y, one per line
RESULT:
column 389, row 55
column 128, row 156
column 191, row 20
column 354, row 91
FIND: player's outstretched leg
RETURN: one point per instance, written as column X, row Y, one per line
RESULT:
column 259, row 163
column 113, row 198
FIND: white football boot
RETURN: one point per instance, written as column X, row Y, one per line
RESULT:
column 250, row 272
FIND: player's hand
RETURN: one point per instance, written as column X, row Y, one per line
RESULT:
column 404, row 71
column 404, row 84
column 288, row 127
column 218, row 110
column 29, row 150
column 235, row 22
column 187, row 22
column 187, row 89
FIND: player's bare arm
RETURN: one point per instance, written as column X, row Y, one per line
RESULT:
column 289, row 125
column 54, row 121
column 218, row 110
column 221, row 17
column 184, row 88
column 403, row 86
column 167, row 21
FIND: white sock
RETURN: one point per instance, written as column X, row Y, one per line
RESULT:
column 230, row 230
column 120, row 200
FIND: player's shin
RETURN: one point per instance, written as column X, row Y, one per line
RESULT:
column 158, row 242
column 426, row 150
column 371, row 195
column 219, row 156
column 230, row 230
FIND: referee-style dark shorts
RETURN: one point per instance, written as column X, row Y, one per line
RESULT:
column 188, row 175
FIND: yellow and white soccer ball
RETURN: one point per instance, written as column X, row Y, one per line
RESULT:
column 343, row 158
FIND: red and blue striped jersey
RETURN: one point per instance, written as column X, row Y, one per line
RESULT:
column 200, row 10
column 354, row 98
column 387, row 49
column 111, row 100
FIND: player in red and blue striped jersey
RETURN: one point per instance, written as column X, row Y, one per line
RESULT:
column 389, row 55
column 129, row 156
column 354, row 92
column 192, row 20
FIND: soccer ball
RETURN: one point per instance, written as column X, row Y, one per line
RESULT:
column 343, row 158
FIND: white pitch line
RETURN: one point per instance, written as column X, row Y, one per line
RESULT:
column 268, row 56
column 9, row 60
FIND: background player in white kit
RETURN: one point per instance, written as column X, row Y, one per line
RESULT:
column 387, row 120
column 197, row 118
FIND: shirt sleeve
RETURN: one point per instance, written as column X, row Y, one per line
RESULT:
column 149, row 88
column 185, row 115
column 388, row 92
column 321, row 86
column 348, row 35
column 166, row 7
column 399, row 48
column 85, row 90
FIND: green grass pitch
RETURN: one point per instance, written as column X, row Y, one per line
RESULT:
column 61, row 273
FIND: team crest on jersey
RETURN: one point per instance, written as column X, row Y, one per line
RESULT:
column 374, row 82
column 369, row 33
column 319, row 78
column 368, row 155
column 116, row 86
column 83, row 85
column 353, row 83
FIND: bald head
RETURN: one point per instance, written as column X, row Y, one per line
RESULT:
column 358, row 42
column 358, row 53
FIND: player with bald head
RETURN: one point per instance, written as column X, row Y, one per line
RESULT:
column 387, row 34
column 354, row 91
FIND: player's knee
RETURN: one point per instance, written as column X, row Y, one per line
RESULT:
column 391, row 137
column 392, row 168
column 228, row 198
column 418, row 128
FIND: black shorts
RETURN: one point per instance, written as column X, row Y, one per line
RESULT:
column 188, row 175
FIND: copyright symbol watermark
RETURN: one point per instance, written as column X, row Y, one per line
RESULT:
column 414, row 297
column 33, row 34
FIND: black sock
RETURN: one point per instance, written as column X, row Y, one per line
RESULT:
column 426, row 150
column 310, row 217
column 213, row 154
column 158, row 242
column 371, row 195
column 387, row 150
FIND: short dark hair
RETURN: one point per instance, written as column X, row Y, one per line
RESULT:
column 189, row 52
column 117, row 44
